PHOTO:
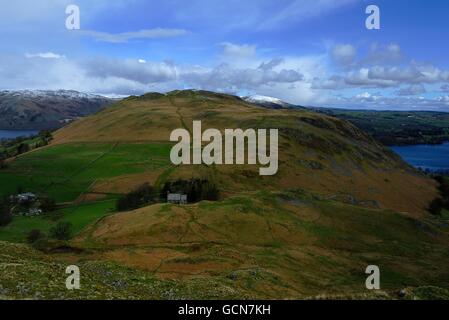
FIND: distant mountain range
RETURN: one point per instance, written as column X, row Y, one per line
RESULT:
column 46, row 109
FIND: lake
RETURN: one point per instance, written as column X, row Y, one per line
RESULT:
column 431, row 157
column 11, row 134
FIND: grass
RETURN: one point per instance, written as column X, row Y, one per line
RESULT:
column 65, row 171
column 304, row 248
column 79, row 216
column 82, row 215
column 29, row 274
column 274, row 246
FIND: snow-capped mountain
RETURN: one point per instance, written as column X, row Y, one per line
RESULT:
column 46, row 109
column 69, row 94
column 268, row 102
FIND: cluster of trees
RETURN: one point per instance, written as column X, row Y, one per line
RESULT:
column 61, row 231
column 137, row 198
column 19, row 145
column 437, row 205
column 196, row 189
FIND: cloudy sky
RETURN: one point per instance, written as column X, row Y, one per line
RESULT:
column 309, row 52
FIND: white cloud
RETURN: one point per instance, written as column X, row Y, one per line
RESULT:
column 130, row 69
column 412, row 90
column 363, row 78
column 385, row 76
column 364, row 95
column 45, row 55
column 344, row 54
column 127, row 36
column 383, row 54
column 306, row 80
column 443, row 99
column 130, row 76
column 238, row 51
column 371, row 101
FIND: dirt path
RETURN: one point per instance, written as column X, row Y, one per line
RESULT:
column 181, row 118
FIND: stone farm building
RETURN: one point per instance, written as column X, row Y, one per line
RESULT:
column 177, row 198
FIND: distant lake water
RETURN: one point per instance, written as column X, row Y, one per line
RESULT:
column 431, row 157
column 11, row 134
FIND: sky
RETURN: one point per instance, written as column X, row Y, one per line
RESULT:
column 306, row 52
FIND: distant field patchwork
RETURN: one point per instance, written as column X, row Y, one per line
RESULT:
column 86, row 178
column 64, row 172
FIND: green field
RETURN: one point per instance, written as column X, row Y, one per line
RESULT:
column 78, row 215
column 63, row 172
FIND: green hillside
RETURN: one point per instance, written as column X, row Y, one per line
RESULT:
column 339, row 202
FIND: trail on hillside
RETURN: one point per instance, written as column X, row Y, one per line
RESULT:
column 181, row 118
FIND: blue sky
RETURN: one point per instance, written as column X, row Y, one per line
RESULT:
column 310, row 52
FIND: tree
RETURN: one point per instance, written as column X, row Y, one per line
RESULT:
column 3, row 157
column 22, row 148
column 47, row 204
column 5, row 212
column 196, row 189
column 210, row 192
column 62, row 231
column 46, row 136
column 436, row 206
column 35, row 235
column 143, row 195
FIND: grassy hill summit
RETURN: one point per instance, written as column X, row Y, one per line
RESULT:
column 340, row 202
